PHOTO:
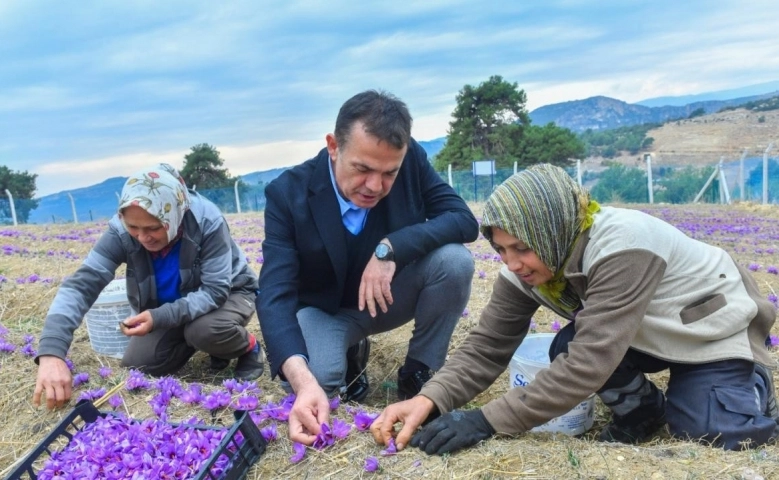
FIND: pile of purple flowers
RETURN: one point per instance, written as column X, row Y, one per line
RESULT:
column 114, row 447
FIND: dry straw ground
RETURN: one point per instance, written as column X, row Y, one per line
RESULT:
column 46, row 251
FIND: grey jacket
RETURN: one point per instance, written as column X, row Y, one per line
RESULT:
column 210, row 263
column 643, row 285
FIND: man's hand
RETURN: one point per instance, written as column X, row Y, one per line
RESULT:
column 453, row 431
column 138, row 325
column 375, row 285
column 411, row 413
column 311, row 408
column 55, row 380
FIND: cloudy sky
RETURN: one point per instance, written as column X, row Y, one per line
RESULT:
column 99, row 88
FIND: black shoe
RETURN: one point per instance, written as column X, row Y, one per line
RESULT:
column 250, row 365
column 632, row 434
column 771, row 409
column 356, row 366
column 218, row 364
column 409, row 384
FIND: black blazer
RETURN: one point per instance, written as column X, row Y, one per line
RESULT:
column 304, row 250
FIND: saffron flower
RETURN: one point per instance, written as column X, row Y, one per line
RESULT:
column 556, row 326
column 533, row 326
column 7, row 347
column 248, row 387
column 80, row 378
column 70, row 365
column 269, row 433
column 754, row 267
column 772, row 270
column 371, row 464
column 300, row 452
column 324, row 438
column 335, row 402
column 245, row 402
column 482, row 274
column 363, row 420
column 28, row 338
column 390, row 450
column 191, row 395
column 340, row 428
column 230, row 384
column 115, row 401
column 28, row 350
column 91, row 394
column 136, row 381
column 216, row 401
column 104, row 372
column 773, row 340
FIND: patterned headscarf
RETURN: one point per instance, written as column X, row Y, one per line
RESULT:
column 545, row 209
column 161, row 191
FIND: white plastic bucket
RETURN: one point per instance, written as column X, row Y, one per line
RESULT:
column 110, row 308
column 531, row 357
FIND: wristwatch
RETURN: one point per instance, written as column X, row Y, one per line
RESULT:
column 384, row 252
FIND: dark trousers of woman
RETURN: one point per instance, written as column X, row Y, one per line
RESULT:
column 722, row 403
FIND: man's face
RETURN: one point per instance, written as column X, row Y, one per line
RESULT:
column 365, row 168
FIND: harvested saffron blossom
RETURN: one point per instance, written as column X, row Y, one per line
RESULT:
column 6, row 347
column 391, row 449
column 191, row 395
column 533, row 326
column 70, row 365
column 216, row 400
column 754, row 267
column 335, row 402
column 115, row 401
column 269, row 433
column 772, row 270
column 371, row 464
column 248, row 387
column 556, row 326
column 482, row 274
column 363, row 420
column 774, row 340
column 28, row 350
column 104, row 372
column 245, row 402
column 300, row 452
column 230, row 385
column 80, row 378
column 324, row 438
column 91, row 394
column 28, row 338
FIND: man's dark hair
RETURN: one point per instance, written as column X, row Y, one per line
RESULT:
column 383, row 114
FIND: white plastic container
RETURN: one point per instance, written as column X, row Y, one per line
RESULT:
column 110, row 308
column 531, row 357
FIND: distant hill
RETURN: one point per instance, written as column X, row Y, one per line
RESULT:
column 603, row 113
column 748, row 91
column 99, row 201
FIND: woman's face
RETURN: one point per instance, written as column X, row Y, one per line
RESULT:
column 521, row 260
column 145, row 228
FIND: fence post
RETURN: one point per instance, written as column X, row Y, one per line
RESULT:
column 237, row 200
column 648, row 158
column 73, row 208
column 13, row 207
column 449, row 172
column 578, row 171
column 741, row 174
column 515, row 168
column 765, row 173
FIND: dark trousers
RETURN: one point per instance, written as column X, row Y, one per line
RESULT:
column 721, row 403
column 220, row 333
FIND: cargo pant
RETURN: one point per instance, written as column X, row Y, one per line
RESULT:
column 220, row 333
column 723, row 403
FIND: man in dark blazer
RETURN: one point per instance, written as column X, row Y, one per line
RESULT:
column 361, row 239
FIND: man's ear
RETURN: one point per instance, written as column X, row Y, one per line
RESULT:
column 332, row 145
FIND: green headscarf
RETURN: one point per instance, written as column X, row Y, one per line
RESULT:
column 545, row 209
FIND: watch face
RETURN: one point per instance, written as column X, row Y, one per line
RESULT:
column 382, row 250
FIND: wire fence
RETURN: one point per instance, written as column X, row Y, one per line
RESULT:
column 721, row 187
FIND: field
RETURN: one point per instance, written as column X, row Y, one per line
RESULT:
column 35, row 259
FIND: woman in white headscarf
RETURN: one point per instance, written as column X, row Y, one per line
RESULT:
column 186, row 277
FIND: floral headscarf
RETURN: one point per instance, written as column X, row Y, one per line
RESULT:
column 545, row 209
column 161, row 191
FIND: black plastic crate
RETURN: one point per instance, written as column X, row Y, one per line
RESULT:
column 241, row 457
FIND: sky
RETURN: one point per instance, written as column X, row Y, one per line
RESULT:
column 101, row 88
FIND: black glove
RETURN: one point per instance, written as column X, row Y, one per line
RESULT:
column 453, row 431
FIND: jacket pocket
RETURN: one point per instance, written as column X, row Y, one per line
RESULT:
column 702, row 308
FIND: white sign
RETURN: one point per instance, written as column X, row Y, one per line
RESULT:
column 484, row 167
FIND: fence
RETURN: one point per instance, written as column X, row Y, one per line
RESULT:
column 724, row 180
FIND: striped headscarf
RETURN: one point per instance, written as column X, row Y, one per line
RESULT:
column 161, row 191
column 545, row 209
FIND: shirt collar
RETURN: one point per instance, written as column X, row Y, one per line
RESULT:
column 343, row 203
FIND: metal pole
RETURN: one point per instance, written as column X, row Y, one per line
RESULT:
column 648, row 158
column 724, row 186
column 449, row 174
column 515, row 168
column 579, row 171
column 705, row 186
column 765, row 174
column 237, row 200
column 741, row 174
column 13, row 207
column 73, row 208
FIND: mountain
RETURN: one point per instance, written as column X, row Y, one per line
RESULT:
column 741, row 92
column 603, row 113
column 99, row 201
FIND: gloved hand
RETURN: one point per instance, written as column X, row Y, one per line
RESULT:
column 453, row 431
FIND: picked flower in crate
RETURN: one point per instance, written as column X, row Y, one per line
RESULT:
column 90, row 443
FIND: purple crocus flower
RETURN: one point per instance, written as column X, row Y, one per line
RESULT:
column 230, row 384
column 363, row 420
column 300, row 452
column 28, row 350
column 772, row 270
column 390, row 450
column 754, row 267
column 335, row 402
column 7, row 347
column 115, row 401
column 80, row 378
column 28, row 338
column 556, row 326
column 136, row 381
column 70, row 365
column 533, row 326
column 774, row 340
column 216, row 400
column 104, row 372
column 340, row 429
column 466, row 312
column 246, row 402
column 371, row 464
column 482, row 274
column 269, row 433
column 91, row 394
column 324, row 438
column 192, row 395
